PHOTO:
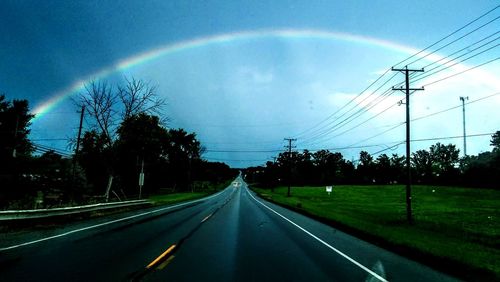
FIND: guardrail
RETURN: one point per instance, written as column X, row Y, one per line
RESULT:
column 44, row 213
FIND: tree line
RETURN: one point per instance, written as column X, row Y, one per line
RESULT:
column 439, row 165
column 126, row 133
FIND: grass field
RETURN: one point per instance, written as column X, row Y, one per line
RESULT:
column 457, row 224
column 172, row 198
column 168, row 198
column 176, row 197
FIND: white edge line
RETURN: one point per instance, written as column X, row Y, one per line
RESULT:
column 321, row 241
column 107, row 223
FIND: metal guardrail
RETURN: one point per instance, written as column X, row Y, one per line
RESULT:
column 43, row 213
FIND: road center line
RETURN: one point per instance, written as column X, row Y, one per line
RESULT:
column 374, row 274
column 207, row 217
column 109, row 222
column 165, row 253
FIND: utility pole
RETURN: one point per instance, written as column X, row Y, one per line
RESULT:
column 290, row 140
column 273, row 174
column 79, row 131
column 141, row 177
column 14, row 151
column 77, row 147
column 407, row 90
column 463, row 118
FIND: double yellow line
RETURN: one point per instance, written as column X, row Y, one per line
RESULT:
column 161, row 257
column 166, row 253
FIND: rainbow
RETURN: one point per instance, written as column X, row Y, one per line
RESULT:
column 172, row 48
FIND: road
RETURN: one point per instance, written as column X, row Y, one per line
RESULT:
column 230, row 236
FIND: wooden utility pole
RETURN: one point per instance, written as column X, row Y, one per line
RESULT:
column 78, row 138
column 407, row 90
column 79, row 131
column 75, row 158
column 290, row 140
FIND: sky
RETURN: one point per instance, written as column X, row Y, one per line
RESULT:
column 244, row 75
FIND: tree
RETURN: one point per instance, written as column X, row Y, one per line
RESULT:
column 482, row 170
column 423, row 164
column 95, row 158
column 15, row 120
column 109, row 107
column 398, row 171
column 180, row 150
column 140, row 140
column 495, row 141
column 15, row 147
column 305, row 168
column 383, row 169
column 445, row 159
column 328, row 166
column 445, row 156
column 347, row 172
column 139, row 97
column 366, row 167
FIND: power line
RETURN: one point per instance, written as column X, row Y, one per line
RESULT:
column 351, row 147
column 324, row 134
column 327, row 129
column 345, row 105
column 393, row 147
column 459, row 73
column 50, row 139
column 448, row 36
column 455, row 107
column 333, row 125
column 393, row 144
column 418, row 78
column 448, row 44
column 465, row 48
column 365, row 121
column 381, row 133
column 242, row 151
column 426, row 116
column 446, row 65
column 44, row 149
column 439, row 80
column 452, row 137
column 233, row 160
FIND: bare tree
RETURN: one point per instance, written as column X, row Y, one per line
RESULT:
column 137, row 97
column 100, row 103
column 108, row 108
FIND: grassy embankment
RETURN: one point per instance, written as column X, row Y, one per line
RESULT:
column 456, row 226
column 172, row 198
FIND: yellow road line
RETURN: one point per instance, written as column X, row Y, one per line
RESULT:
column 161, row 256
column 165, row 263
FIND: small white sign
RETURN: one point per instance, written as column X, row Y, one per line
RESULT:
column 329, row 189
column 141, row 179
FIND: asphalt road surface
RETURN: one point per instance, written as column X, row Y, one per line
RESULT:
column 230, row 236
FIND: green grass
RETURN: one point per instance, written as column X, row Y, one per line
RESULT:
column 207, row 189
column 459, row 224
column 176, row 197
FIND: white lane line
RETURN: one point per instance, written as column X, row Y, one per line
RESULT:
column 108, row 222
column 321, row 241
column 206, row 218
